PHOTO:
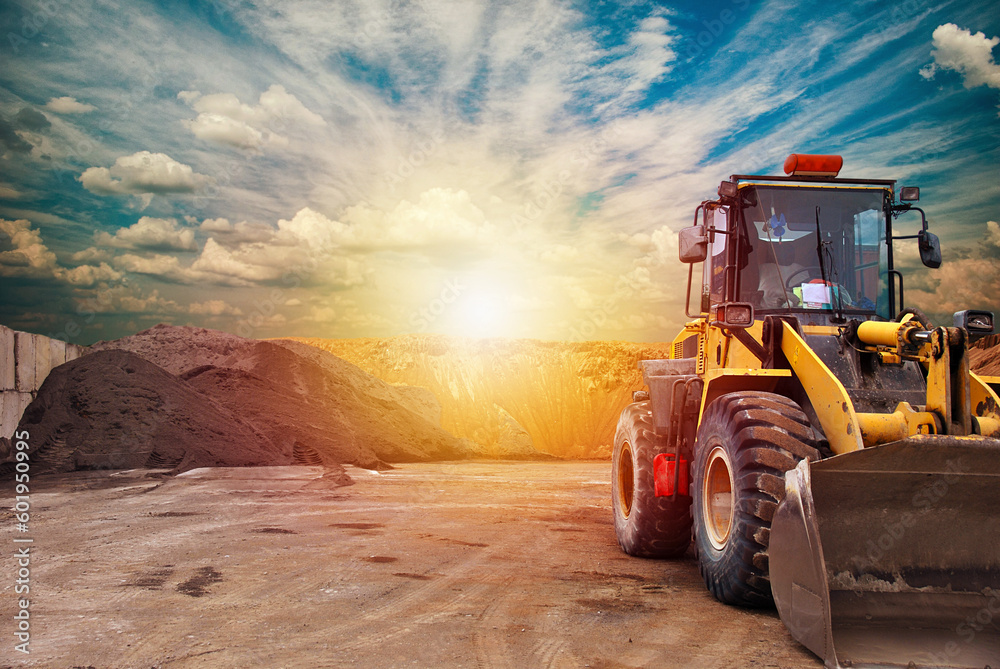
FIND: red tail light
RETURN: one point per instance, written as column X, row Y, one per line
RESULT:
column 806, row 165
column 664, row 466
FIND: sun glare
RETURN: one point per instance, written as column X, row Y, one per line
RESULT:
column 480, row 311
column 480, row 314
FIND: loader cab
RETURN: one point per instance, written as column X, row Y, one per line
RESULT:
column 809, row 249
column 808, row 244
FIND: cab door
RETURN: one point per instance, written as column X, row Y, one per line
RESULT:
column 716, row 220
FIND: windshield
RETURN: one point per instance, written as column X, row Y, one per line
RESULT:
column 789, row 266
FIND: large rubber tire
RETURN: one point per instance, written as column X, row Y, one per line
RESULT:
column 746, row 443
column 646, row 525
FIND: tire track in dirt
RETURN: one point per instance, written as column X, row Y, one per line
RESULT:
column 553, row 654
column 551, row 589
column 492, row 649
column 514, row 610
column 434, row 601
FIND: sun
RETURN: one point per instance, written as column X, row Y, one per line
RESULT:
column 481, row 314
column 485, row 304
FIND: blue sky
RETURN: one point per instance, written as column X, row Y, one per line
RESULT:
column 345, row 169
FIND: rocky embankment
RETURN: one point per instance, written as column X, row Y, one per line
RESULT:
column 984, row 356
column 564, row 398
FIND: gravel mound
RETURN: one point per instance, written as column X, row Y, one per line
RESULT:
column 984, row 356
column 327, row 405
column 185, row 397
column 114, row 410
column 179, row 349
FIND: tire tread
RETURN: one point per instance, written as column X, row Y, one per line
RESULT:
column 656, row 527
column 770, row 434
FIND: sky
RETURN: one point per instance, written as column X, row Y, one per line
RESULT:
column 487, row 169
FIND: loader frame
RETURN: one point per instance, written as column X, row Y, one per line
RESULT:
column 778, row 393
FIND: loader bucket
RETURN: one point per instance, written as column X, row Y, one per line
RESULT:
column 890, row 556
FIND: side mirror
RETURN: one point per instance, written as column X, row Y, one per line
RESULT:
column 930, row 249
column 978, row 324
column 692, row 244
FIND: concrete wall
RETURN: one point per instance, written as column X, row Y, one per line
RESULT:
column 25, row 360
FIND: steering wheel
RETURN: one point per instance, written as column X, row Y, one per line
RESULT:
column 812, row 271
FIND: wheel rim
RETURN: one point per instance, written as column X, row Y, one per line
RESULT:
column 626, row 478
column 717, row 498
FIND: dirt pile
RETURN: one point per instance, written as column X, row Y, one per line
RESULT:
column 114, row 410
column 984, row 356
column 321, row 401
column 562, row 398
column 187, row 397
column 330, row 406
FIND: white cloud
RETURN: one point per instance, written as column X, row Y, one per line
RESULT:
column 158, row 234
column 659, row 246
column 973, row 283
column 227, row 233
column 89, row 275
column 970, row 54
column 136, row 304
column 253, row 253
column 439, row 217
column 225, row 130
column 92, row 254
column 8, row 192
column 223, row 104
column 652, row 55
column 29, row 255
column 156, row 264
column 216, row 225
column 41, row 217
column 310, row 245
column 31, row 258
column 143, row 173
column 285, row 258
column 993, row 233
column 278, row 104
column 215, row 259
column 169, row 268
column 214, row 308
column 313, row 229
column 322, row 315
column 131, row 300
column 224, row 119
column 68, row 105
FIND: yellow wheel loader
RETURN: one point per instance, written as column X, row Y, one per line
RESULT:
column 830, row 447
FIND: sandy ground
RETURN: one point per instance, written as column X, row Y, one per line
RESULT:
column 429, row 565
